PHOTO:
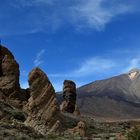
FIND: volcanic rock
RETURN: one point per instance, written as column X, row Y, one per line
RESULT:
column 114, row 98
column 9, row 74
column 69, row 96
column 8, row 112
column 76, row 111
column 42, row 107
column 56, row 128
column 79, row 129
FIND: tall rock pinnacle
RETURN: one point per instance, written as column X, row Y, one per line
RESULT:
column 69, row 96
column 9, row 73
column 42, row 106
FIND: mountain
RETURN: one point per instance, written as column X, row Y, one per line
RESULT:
column 114, row 98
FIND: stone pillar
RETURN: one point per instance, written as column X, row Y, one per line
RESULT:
column 9, row 73
column 69, row 96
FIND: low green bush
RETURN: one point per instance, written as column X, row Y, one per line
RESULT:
column 134, row 134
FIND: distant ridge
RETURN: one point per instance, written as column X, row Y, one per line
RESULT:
column 113, row 98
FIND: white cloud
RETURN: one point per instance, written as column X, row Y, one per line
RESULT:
column 49, row 15
column 90, row 66
column 132, row 63
column 100, row 66
column 94, row 14
column 38, row 60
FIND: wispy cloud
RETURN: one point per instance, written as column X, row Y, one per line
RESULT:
column 90, row 66
column 38, row 60
column 132, row 63
column 24, row 16
column 97, row 13
column 100, row 66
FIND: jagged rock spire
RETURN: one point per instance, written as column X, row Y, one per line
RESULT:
column 9, row 73
column 69, row 96
column 42, row 106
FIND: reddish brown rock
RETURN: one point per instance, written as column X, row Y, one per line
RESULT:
column 56, row 129
column 9, row 73
column 42, row 107
column 69, row 96
column 79, row 129
column 76, row 111
column 10, row 90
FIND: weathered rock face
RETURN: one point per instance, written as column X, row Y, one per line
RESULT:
column 9, row 73
column 76, row 111
column 56, row 128
column 42, row 107
column 69, row 96
column 8, row 112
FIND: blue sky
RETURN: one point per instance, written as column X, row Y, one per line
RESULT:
column 81, row 40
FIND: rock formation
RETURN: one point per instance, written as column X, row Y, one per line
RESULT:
column 10, row 113
column 42, row 107
column 69, row 96
column 56, row 128
column 9, row 79
column 9, row 74
column 76, row 111
column 35, row 108
column 79, row 129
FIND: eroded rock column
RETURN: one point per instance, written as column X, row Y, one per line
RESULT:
column 42, row 106
column 69, row 96
column 9, row 73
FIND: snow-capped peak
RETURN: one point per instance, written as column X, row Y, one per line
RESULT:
column 133, row 73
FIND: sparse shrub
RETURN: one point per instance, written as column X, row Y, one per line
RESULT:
column 134, row 134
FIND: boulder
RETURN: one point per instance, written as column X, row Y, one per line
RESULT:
column 42, row 106
column 80, row 129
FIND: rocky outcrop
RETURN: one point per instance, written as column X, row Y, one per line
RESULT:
column 9, row 74
column 35, row 108
column 42, row 107
column 9, row 79
column 56, row 129
column 69, row 96
column 79, row 129
column 76, row 111
column 10, row 113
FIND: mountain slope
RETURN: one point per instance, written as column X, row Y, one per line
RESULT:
column 114, row 98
